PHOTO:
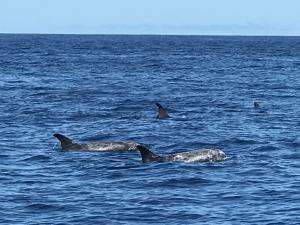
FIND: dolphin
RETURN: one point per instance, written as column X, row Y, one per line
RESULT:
column 162, row 112
column 68, row 144
column 201, row 155
column 256, row 105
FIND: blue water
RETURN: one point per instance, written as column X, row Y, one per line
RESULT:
column 93, row 88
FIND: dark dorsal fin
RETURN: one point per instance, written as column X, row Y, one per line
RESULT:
column 162, row 112
column 256, row 105
column 64, row 141
column 147, row 155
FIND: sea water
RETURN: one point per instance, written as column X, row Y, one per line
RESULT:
column 104, row 87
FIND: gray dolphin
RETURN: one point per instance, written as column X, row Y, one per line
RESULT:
column 201, row 155
column 68, row 144
column 162, row 112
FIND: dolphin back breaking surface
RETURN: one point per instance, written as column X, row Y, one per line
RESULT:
column 201, row 155
column 68, row 144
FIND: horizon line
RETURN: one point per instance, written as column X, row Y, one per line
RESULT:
column 148, row 34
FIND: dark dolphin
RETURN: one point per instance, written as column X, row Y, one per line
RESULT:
column 256, row 105
column 201, row 155
column 68, row 144
column 162, row 112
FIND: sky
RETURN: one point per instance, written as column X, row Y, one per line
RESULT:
column 191, row 17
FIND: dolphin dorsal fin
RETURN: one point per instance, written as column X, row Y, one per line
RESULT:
column 147, row 155
column 256, row 105
column 162, row 112
column 64, row 141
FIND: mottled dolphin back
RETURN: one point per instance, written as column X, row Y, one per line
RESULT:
column 201, row 155
column 162, row 112
column 68, row 144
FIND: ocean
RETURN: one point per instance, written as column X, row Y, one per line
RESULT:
column 104, row 87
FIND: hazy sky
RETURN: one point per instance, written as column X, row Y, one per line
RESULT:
column 252, row 17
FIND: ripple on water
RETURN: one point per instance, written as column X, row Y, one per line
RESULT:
column 41, row 158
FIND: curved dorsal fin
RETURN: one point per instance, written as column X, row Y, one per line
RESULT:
column 162, row 112
column 64, row 141
column 147, row 155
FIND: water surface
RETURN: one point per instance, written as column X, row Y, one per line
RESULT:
column 103, row 87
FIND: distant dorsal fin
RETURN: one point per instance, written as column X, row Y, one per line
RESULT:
column 147, row 155
column 162, row 112
column 64, row 141
column 256, row 105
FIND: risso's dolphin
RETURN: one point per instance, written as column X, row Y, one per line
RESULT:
column 202, row 155
column 68, row 144
column 162, row 112
column 256, row 105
